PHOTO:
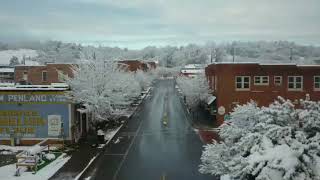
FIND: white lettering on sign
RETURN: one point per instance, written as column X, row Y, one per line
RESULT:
column 32, row 98
column 25, row 98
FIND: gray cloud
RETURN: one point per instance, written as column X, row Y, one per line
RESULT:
column 160, row 22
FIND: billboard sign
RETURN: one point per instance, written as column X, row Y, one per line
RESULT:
column 34, row 115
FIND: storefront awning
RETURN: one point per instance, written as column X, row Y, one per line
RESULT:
column 82, row 110
column 211, row 99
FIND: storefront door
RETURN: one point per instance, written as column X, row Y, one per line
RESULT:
column 84, row 124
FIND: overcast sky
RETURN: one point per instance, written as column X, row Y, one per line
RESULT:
column 138, row 23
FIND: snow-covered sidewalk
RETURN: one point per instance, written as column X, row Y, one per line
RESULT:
column 7, row 172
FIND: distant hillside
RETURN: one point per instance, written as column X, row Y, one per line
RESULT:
column 27, row 54
column 258, row 51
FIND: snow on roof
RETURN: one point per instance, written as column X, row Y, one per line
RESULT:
column 4, row 84
column 52, row 87
column 192, row 71
column 277, row 64
column 7, row 70
column 270, row 64
column 194, row 66
column 82, row 110
column 210, row 99
column 227, row 62
column 309, row 65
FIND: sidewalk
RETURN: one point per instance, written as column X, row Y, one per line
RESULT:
column 203, row 122
column 79, row 159
column 87, row 152
column 202, row 119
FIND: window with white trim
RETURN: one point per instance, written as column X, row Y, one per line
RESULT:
column 215, row 82
column 316, row 83
column 44, row 76
column 212, row 82
column 261, row 80
column 278, row 80
column 295, row 83
column 242, row 82
column 25, row 75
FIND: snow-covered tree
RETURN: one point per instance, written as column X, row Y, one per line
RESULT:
column 14, row 61
column 103, row 87
column 279, row 142
column 145, row 78
column 195, row 89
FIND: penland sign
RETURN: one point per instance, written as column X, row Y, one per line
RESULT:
column 34, row 97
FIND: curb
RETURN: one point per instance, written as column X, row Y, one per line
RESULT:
column 79, row 176
column 92, row 161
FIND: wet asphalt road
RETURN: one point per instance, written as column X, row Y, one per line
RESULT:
column 149, row 150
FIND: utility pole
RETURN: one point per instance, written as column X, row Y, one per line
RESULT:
column 233, row 52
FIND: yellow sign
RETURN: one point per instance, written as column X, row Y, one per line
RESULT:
column 24, row 122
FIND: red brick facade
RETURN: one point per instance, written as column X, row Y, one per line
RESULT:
column 135, row 65
column 42, row 75
column 264, row 84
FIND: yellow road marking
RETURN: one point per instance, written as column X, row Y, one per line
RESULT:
column 163, row 176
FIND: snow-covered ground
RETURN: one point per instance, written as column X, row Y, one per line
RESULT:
column 7, row 172
column 13, row 148
column 6, row 55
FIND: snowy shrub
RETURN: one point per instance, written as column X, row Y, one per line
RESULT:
column 50, row 156
column 279, row 142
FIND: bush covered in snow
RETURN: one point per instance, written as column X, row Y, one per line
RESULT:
column 50, row 156
column 279, row 142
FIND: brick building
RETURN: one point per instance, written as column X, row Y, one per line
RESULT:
column 238, row 83
column 133, row 65
column 42, row 74
column 6, row 75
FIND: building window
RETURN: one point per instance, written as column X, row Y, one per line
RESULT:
column 295, row 83
column 215, row 82
column 44, row 76
column 243, row 83
column 261, row 80
column 25, row 75
column 212, row 82
column 316, row 83
column 278, row 80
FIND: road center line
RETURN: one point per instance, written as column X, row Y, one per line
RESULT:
column 114, row 154
column 127, row 152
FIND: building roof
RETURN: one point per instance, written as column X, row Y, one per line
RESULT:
column 7, row 70
column 192, row 71
column 198, row 66
column 52, row 87
column 269, row 64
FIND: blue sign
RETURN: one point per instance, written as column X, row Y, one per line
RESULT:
column 36, row 115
